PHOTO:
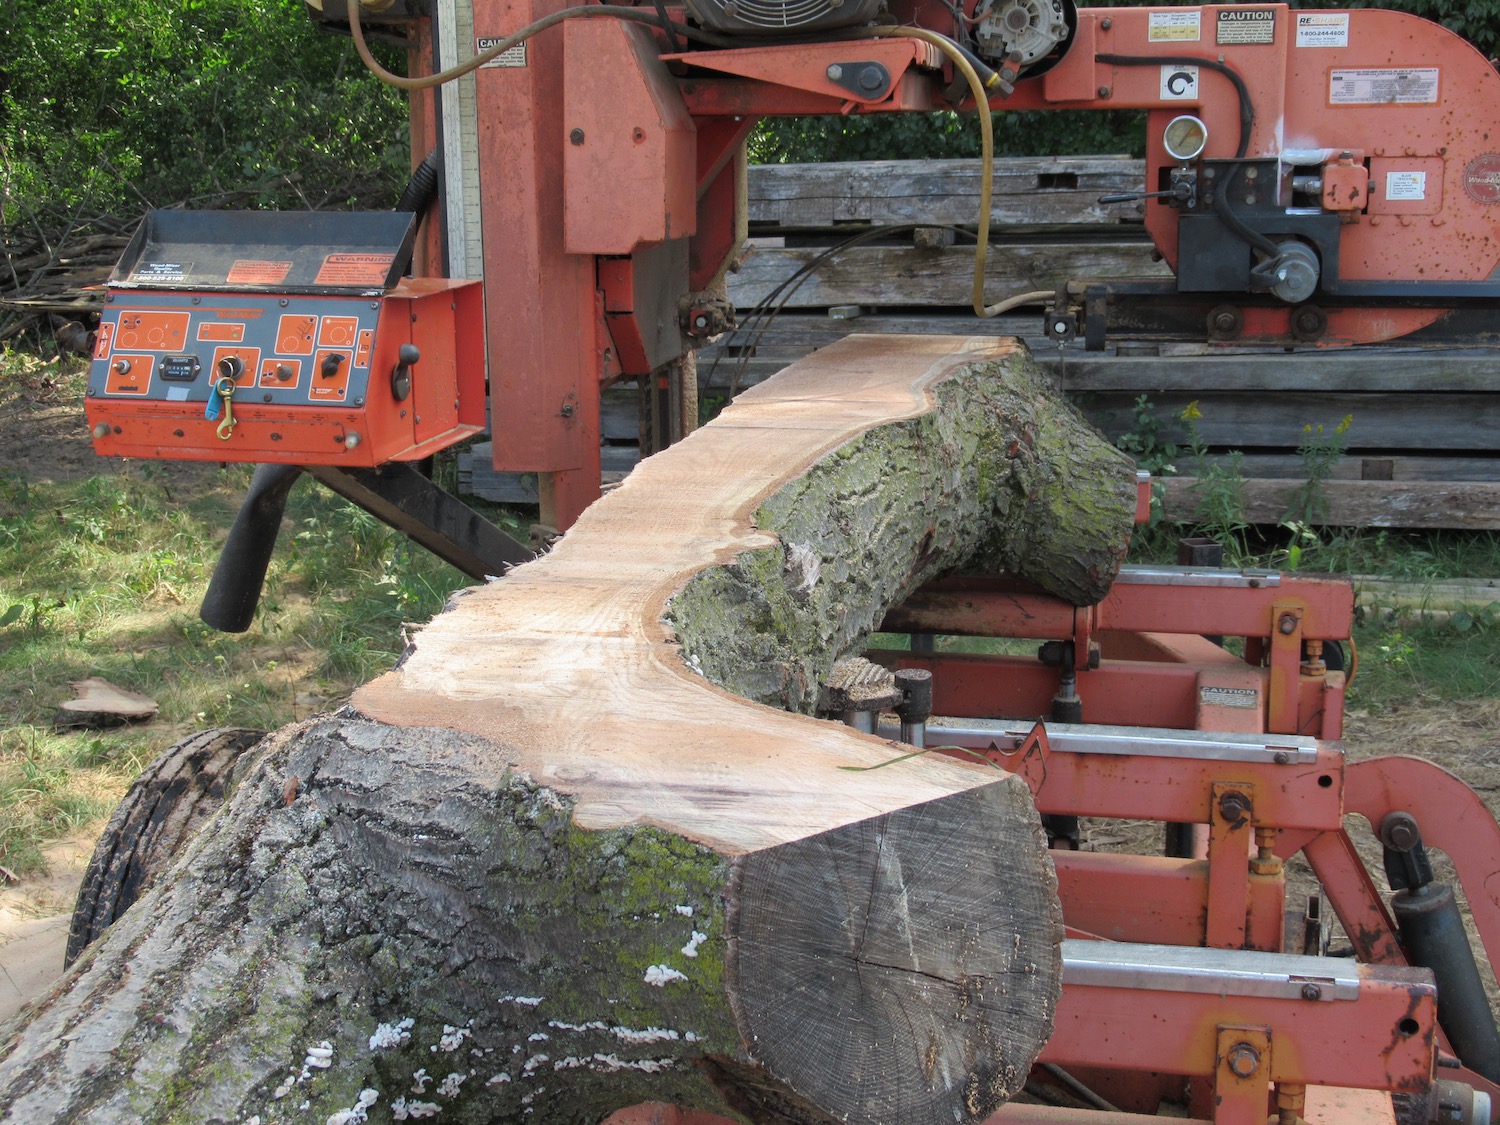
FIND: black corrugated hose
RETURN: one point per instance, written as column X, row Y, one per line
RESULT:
column 421, row 188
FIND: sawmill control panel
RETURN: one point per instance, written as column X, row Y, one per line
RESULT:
column 246, row 337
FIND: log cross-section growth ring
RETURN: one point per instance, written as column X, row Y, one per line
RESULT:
column 565, row 859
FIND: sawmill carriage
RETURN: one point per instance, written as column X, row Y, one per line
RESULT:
column 1314, row 179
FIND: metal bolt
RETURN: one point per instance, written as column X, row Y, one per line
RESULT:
column 1106, row 24
column 1311, row 991
column 1399, row 831
column 1281, row 757
column 576, row 137
column 1251, row 173
column 1243, row 1060
column 871, row 78
column 835, row 72
column 101, row 430
column 700, row 321
column 1287, row 624
column 265, row 398
column 1224, row 321
column 1233, row 806
column 567, row 410
column 1104, row 91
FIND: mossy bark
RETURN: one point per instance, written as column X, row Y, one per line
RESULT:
column 413, row 877
column 1002, row 475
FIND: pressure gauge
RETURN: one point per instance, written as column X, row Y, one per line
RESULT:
column 1185, row 137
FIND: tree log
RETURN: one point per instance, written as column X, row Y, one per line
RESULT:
column 550, row 868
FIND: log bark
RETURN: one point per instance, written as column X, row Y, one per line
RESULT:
column 548, row 868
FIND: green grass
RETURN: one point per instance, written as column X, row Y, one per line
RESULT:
column 103, row 577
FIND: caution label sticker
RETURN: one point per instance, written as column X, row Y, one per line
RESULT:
column 248, row 271
column 510, row 57
column 354, row 269
column 1393, row 86
column 1239, row 26
column 1174, row 27
column 1322, row 29
column 1229, row 697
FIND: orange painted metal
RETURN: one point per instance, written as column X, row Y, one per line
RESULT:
column 1145, row 898
column 1317, row 90
column 286, row 410
column 545, row 340
column 999, row 607
column 1382, row 1041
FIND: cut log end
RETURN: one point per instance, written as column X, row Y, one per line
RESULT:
column 903, row 967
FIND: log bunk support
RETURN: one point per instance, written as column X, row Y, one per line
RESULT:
column 587, row 854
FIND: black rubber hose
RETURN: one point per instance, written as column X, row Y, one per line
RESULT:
column 234, row 591
column 421, row 189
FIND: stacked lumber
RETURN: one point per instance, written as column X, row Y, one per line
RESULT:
column 1423, row 445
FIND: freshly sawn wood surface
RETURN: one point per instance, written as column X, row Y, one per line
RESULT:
column 550, row 867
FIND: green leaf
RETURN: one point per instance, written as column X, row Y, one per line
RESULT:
column 12, row 615
column 1462, row 620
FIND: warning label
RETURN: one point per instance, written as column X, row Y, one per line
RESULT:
column 1482, row 178
column 1174, row 27
column 1415, row 86
column 1229, row 697
column 1245, row 25
column 1322, row 29
column 512, row 56
column 354, row 269
column 248, row 271
column 1406, row 185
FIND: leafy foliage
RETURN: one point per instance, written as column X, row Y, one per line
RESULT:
column 116, row 105
column 788, row 140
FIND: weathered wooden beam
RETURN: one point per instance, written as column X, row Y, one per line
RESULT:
column 1028, row 191
column 1471, row 505
column 940, row 276
column 550, row 867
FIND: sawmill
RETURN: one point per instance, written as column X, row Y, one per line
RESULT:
column 722, row 678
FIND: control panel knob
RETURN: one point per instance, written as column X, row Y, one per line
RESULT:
column 121, row 366
column 330, row 365
column 283, row 373
column 231, row 367
column 406, row 358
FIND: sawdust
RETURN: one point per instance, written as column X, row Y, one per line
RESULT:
column 34, row 916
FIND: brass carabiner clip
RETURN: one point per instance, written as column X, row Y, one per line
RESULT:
column 224, row 388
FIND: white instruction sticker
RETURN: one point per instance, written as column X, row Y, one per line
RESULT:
column 1178, row 26
column 1406, row 185
column 1322, row 29
column 1179, row 83
column 1410, row 86
column 1245, row 25
column 514, row 56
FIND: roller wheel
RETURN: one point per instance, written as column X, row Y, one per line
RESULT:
column 162, row 811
